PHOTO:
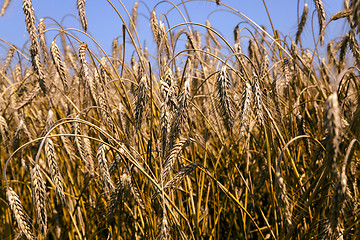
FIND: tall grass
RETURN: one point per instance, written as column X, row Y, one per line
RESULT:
column 203, row 140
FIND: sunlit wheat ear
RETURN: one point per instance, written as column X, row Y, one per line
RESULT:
column 223, row 88
column 39, row 195
column 355, row 5
column 282, row 199
column 354, row 46
column 180, row 114
column 103, row 168
column 302, row 22
column 287, row 72
column 173, row 155
column 4, row 7
column 164, row 228
column 86, row 72
column 134, row 15
column 54, row 170
column 34, row 43
column 322, row 18
column 105, row 111
column 155, row 27
column 50, row 120
column 59, row 64
column 264, row 67
column 82, row 14
column 302, row 130
column 342, row 52
column 179, row 176
column 333, row 125
column 22, row 219
column 140, row 101
column 340, row 14
column 135, row 192
column 338, row 201
column 212, row 34
column 8, row 59
column 43, row 45
column 4, row 131
column 83, row 147
column 164, row 38
column 259, row 105
column 245, row 107
column 330, row 50
column 28, row 99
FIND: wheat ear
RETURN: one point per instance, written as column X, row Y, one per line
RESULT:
column 8, row 59
column 322, row 18
column 103, row 168
column 34, row 43
column 39, row 196
column 54, row 170
column 302, row 22
column 223, row 88
column 333, row 126
column 20, row 215
column 82, row 14
column 4, row 7
column 59, row 64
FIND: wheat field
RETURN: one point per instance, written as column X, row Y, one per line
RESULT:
column 202, row 140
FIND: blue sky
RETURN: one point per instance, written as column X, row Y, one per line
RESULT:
column 105, row 25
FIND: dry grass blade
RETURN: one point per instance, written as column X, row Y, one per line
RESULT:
column 82, row 14
column 39, row 196
column 20, row 215
column 54, row 170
